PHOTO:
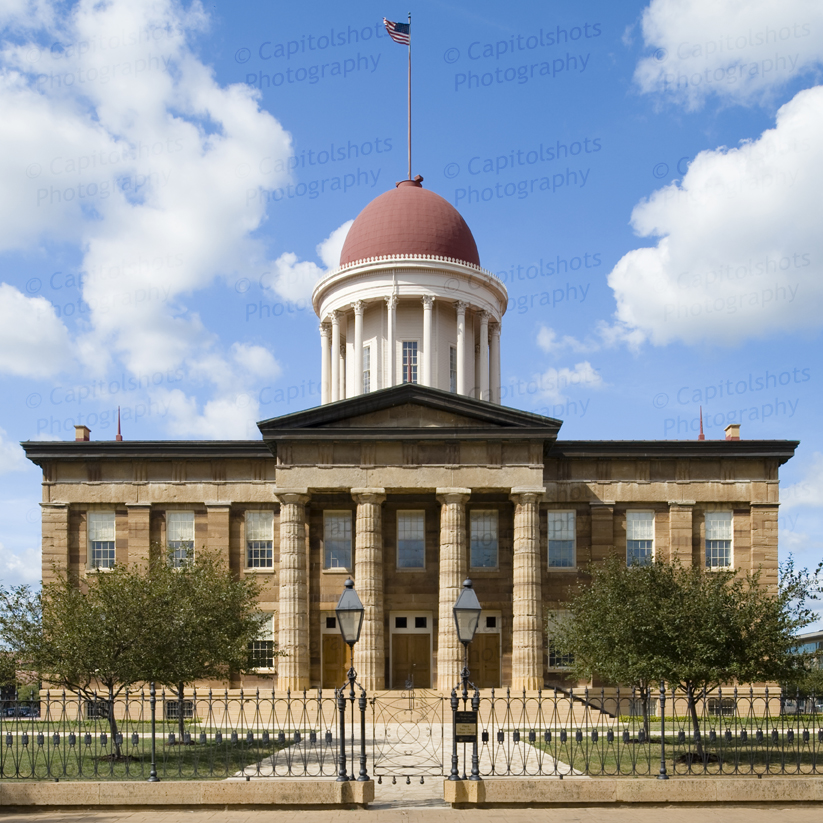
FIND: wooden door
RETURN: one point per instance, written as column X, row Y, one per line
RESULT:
column 411, row 661
column 335, row 661
column 484, row 661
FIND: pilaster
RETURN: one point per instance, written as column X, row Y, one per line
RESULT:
column 680, row 532
column 370, row 652
column 453, row 570
column 293, row 636
column 527, row 601
column 55, row 540
column 139, row 515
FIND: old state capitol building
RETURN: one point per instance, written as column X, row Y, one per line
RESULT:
column 410, row 477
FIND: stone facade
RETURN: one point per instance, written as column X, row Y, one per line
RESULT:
column 448, row 460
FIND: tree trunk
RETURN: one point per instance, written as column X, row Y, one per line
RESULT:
column 644, row 702
column 695, row 721
column 181, row 727
column 115, row 746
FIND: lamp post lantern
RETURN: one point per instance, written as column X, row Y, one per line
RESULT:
column 349, row 614
column 466, row 619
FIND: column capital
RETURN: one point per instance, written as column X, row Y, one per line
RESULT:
column 453, row 495
column 682, row 504
column 461, row 306
column 485, row 316
column 391, row 301
column 358, row 307
column 494, row 328
column 427, row 301
column 325, row 329
column 368, row 495
column 334, row 317
column 290, row 496
column 527, row 494
column 145, row 505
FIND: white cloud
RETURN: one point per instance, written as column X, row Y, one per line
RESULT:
column 740, row 253
column 20, row 567
column 33, row 340
column 808, row 491
column 12, row 458
column 553, row 383
column 135, row 153
column 738, row 51
column 294, row 279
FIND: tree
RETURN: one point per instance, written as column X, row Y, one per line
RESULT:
column 695, row 629
column 211, row 620
column 130, row 625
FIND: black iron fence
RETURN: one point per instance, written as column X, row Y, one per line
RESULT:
column 562, row 734
column 224, row 734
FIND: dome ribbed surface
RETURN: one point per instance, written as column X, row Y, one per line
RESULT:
column 409, row 220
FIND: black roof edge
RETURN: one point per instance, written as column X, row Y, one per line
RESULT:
column 37, row 450
column 781, row 449
column 482, row 410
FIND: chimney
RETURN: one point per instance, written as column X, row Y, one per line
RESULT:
column 82, row 434
column 732, row 431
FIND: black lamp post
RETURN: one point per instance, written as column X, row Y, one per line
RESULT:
column 466, row 619
column 349, row 613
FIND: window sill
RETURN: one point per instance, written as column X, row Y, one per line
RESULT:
column 417, row 570
column 336, row 571
column 259, row 570
column 481, row 570
column 563, row 569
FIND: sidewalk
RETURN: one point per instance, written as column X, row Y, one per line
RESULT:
column 646, row 814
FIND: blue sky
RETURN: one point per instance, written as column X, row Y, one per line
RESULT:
column 644, row 176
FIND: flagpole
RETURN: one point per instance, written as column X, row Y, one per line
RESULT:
column 410, row 165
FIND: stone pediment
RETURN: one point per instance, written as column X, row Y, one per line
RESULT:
column 410, row 410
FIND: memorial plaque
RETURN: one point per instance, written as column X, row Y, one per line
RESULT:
column 465, row 724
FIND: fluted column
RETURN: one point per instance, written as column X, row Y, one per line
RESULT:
column 370, row 652
column 357, row 388
column 495, row 364
column 293, row 636
column 527, row 631
column 325, row 361
column 453, row 569
column 335, row 359
column 342, row 356
column 460, row 308
column 391, row 305
column 427, row 341
column 484, row 355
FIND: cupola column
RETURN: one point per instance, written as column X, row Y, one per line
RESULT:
column 461, row 307
column 391, row 325
column 335, row 356
column 342, row 369
column 357, row 388
column 495, row 364
column 427, row 340
column 325, row 360
column 484, row 355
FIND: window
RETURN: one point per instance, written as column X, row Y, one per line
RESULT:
column 366, row 369
column 172, row 709
column 718, row 540
column 411, row 540
column 409, row 361
column 557, row 661
column 453, row 370
column 180, row 537
column 562, row 540
column 483, row 527
column 259, row 540
column 639, row 538
column 337, row 540
column 101, row 540
column 261, row 650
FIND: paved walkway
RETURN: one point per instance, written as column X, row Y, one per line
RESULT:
column 620, row 814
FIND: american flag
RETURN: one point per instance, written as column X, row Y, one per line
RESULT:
column 399, row 32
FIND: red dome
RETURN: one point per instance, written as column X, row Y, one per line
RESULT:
column 409, row 220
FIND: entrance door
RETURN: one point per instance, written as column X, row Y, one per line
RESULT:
column 411, row 661
column 335, row 661
column 484, row 661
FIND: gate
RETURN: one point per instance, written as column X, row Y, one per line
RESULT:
column 408, row 734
